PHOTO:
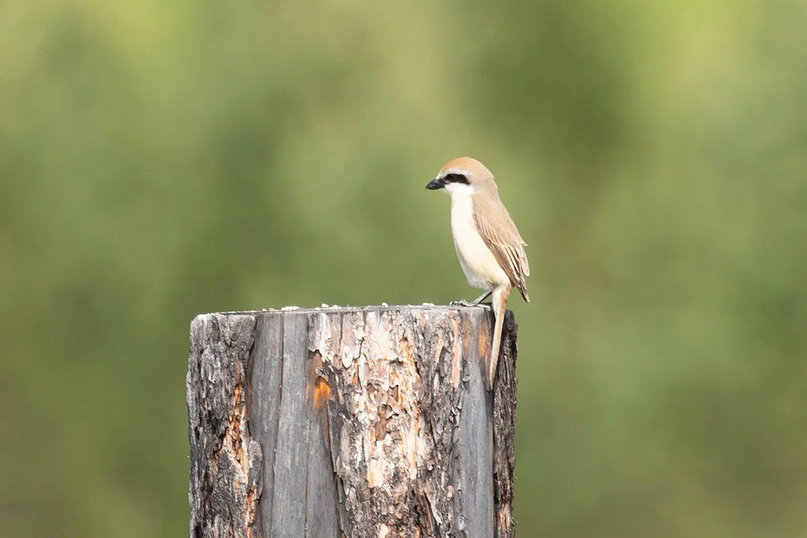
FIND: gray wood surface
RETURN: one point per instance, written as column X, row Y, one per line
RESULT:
column 365, row 422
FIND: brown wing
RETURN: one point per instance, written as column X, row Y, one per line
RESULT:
column 502, row 238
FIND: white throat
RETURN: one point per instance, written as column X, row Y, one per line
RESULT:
column 458, row 190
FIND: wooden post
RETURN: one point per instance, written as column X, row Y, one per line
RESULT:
column 356, row 422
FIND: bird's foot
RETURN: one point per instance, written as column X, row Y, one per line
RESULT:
column 468, row 304
column 475, row 302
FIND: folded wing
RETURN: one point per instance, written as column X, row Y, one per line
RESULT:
column 502, row 238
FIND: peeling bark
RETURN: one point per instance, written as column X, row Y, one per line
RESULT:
column 372, row 422
column 225, row 479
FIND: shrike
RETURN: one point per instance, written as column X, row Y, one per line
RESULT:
column 488, row 245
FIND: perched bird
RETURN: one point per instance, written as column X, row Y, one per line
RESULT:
column 488, row 245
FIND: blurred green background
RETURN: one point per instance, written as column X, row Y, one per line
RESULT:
column 160, row 160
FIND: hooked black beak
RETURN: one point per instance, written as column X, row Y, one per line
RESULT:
column 436, row 183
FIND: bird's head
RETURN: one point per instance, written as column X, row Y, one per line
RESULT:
column 463, row 176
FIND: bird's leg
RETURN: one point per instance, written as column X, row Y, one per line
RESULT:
column 476, row 301
column 483, row 296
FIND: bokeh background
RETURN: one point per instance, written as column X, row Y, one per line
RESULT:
column 164, row 159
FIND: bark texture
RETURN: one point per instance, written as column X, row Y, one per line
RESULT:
column 357, row 422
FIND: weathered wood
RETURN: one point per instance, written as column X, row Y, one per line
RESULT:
column 225, row 478
column 365, row 422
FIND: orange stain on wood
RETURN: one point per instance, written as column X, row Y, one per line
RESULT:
column 322, row 392
column 319, row 391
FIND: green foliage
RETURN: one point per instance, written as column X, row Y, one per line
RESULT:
column 162, row 160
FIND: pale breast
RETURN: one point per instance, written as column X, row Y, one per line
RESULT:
column 477, row 261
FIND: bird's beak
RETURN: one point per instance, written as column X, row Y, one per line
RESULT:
column 436, row 183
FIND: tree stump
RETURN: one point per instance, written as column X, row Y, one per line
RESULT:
column 356, row 422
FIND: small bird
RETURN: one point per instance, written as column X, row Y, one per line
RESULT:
column 488, row 245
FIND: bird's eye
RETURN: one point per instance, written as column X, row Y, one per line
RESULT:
column 456, row 178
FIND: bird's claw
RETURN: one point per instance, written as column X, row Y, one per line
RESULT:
column 468, row 304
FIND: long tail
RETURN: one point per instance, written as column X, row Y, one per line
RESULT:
column 500, row 296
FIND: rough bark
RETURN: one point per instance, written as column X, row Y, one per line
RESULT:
column 357, row 422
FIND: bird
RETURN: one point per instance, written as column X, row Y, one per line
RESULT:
column 488, row 245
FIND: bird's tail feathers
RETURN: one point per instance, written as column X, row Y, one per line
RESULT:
column 500, row 296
